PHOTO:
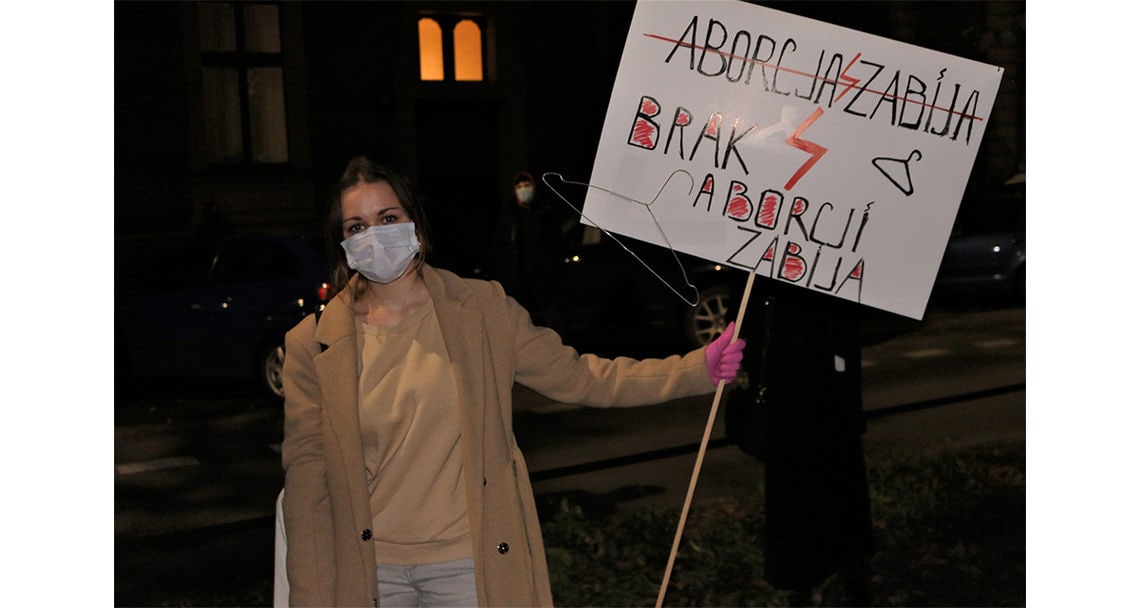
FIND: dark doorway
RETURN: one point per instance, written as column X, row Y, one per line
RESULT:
column 458, row 144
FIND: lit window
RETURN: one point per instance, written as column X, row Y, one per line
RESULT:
column 451, row 48
column 468, row 51
column 431, row 50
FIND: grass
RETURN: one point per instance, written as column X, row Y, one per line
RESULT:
column 949, row 531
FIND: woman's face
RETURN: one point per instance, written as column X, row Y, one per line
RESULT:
column 366, row 205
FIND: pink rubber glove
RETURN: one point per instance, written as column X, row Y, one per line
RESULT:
column 722, row 356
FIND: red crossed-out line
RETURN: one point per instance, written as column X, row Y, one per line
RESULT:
column 851, row 81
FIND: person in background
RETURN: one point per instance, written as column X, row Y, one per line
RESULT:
column 531, row 237
column 404, row 485
column 800, row 411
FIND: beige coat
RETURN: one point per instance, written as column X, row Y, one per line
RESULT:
column 492, row 345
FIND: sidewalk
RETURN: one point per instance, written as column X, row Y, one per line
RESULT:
column 727, row 472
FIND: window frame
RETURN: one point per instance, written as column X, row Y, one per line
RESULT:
column 243, row 61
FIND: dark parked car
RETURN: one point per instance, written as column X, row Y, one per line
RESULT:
column 984, row 265
column 985, row 256
column 218, row 308
column 602, row 295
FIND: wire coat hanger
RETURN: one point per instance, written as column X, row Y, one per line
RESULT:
column 648, row 207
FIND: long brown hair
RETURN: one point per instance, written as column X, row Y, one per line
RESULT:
column 361, row 170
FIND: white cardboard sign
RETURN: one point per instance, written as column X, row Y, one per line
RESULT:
column 817, row 155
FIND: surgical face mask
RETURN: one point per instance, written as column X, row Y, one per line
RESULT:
column 382, row 253
column 525, row 194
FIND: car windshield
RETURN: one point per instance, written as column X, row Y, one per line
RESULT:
column 186, row 266
column 246, row 261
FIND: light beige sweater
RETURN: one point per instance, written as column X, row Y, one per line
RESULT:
column 409, row 424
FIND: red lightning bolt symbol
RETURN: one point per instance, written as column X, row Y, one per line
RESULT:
column 851, row 80
column 817, row 151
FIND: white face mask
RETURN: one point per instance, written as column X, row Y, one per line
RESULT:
column 382, row 253
column 525, row 194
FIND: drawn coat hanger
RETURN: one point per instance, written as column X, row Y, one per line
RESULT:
column 898, row 170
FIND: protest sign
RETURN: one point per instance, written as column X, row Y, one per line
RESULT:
column 817, row 155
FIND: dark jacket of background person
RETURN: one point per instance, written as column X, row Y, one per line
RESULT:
column 804, row 418
column 492, row 344
column 528, row 244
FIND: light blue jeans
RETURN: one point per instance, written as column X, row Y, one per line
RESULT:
column 449, row 584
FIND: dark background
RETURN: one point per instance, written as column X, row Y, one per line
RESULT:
column 352, row 87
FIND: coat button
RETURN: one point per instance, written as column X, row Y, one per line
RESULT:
column 503, row 548
column 366, row 534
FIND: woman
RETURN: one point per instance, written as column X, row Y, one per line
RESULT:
column 403, row 482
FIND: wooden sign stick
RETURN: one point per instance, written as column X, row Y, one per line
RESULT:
column 703, row 448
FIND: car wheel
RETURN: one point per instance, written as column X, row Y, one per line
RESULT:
column 270, row 366
column 708, row 319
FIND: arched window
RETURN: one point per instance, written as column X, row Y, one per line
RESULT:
column 431, row 50
column 462, row 37
column 468, row 51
